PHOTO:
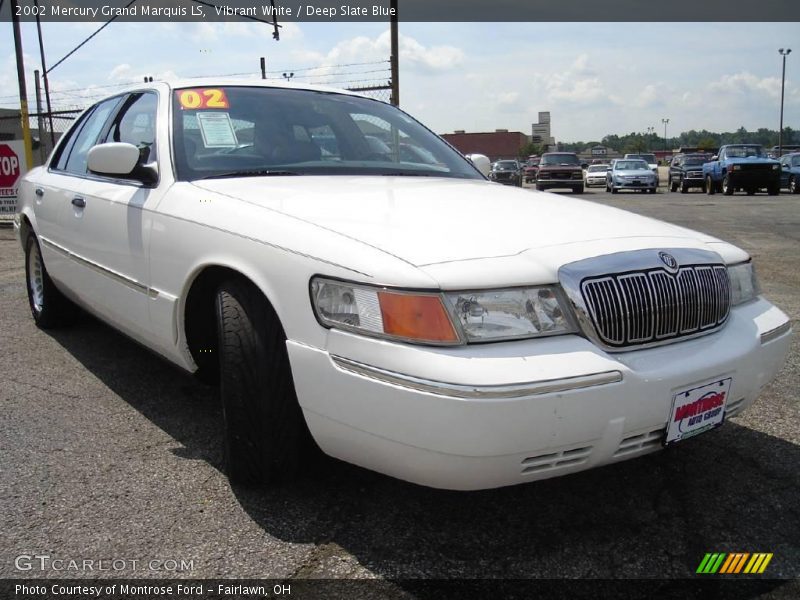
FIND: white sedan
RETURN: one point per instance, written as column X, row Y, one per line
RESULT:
column 409, row 317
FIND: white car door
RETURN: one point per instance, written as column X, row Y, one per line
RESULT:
column 110, row 225
column 59, row 183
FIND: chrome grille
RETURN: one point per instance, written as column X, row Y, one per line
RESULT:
column 654, row 305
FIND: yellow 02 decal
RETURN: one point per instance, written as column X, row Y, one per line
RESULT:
column 203, row 98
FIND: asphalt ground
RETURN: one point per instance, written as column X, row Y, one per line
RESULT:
column 107, row 452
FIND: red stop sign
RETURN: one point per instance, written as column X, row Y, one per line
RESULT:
column 9, row 166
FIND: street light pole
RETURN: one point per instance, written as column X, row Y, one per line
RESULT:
column 665, row 121
column 784, row 54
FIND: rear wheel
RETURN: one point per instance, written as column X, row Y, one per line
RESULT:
column 710, row 189
column 264, row 430
column 49, row 307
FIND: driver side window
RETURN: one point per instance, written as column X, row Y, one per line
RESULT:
column 136, row 124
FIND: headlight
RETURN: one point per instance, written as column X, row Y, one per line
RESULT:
column 440, row 318
column 491, row 315
column 412, row 316
column 736, row 167
column 774, row 167
column 744, row 284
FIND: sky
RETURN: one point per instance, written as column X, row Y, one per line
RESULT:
column 594, row 78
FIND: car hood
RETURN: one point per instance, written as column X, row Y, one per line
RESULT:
column 751, row 159
column 425, row 220
column 633, row 172
column 559, row 167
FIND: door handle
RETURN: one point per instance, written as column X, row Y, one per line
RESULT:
column 39, row 192
column 79, row 202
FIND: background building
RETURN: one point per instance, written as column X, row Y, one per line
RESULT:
column 498, row 144
column 540, row 132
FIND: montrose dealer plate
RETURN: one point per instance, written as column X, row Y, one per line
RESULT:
column 697, row 409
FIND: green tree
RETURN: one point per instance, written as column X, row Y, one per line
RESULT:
column 530, row 148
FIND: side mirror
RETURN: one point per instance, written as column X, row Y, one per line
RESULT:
column 715, row 157
column 121, row 159
column 481, row 162
column 584, row 165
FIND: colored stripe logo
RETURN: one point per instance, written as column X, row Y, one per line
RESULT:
column 734, row 563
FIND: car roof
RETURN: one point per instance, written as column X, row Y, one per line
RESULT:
column 200, row 82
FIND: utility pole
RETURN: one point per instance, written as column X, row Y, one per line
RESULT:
column 394, row 59
column 39, row 119
column 263, row 68
column 46, row 82
column 665, row 121
column 23, row 92
column 784, row 54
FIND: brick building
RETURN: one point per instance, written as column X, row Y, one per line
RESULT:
column 496, row 145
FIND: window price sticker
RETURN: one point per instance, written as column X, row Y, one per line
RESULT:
column 217, row 130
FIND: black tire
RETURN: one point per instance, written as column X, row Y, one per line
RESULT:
column 751, row 191
column 673, row 187
column 727, row 186
column 49, row 307
column 774, row 190
column 614, row 190
column 264, row 430
column 710, row 186
column 540, row 187
column 684, row 188
column 652, row 190
column 578, row 189
column 794, row 188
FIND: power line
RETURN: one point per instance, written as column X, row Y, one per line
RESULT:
column 76, row 48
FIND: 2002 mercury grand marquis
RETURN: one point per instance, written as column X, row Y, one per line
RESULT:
column 342, row 272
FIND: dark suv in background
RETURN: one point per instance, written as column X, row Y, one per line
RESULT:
column 507, row 172
column 686, row 171
column 560, row 170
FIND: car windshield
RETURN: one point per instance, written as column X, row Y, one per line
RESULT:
column 630, row 165
column 745, row 152
column 244, row 131
column 648, row 158
column 559, row 159
column 595, row 168
column 796, row 161
column 694, row 161
column 505, row 164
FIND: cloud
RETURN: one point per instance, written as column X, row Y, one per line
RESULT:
column 413, row 54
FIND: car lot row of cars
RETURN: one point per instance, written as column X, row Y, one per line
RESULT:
column 736, row 167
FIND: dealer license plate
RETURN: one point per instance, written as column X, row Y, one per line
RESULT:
column 697, row 409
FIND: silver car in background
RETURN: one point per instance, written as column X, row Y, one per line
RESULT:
column 631, row 174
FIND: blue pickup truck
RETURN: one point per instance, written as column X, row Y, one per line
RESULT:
column 742, row 167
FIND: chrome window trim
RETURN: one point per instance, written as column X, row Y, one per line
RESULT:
column 477, row 392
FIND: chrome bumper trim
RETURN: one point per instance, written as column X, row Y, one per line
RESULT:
column 774, row 334
column 484, row 392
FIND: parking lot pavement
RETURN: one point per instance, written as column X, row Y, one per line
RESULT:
column 108, row 452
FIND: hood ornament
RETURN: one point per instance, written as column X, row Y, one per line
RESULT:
column 669, row 260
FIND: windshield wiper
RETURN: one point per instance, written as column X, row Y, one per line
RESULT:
column 250, row 173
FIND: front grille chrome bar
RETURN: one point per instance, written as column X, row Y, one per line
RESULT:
column 631, row 299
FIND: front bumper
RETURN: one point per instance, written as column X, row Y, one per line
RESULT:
column 633, row 185
column 755, row 178
column 516, row 412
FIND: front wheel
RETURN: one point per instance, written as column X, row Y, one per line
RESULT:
column 49, row 307
column 684, row 188
column 727, row 185
column 794, row 188
column 673, row 187
column 613, row 189
column 578, row 189
column 264, row 430
column 774, row 190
